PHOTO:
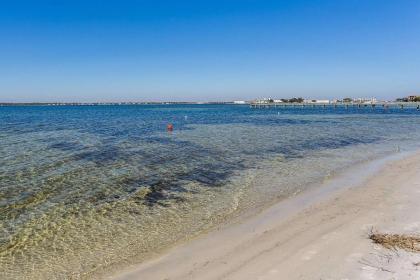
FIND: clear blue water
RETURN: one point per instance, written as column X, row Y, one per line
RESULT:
column 88, row 189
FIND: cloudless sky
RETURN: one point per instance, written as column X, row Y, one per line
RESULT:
column 207, row 50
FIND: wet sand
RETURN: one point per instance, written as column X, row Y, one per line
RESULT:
column 319, row 234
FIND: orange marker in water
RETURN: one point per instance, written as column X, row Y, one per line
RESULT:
column 169, row 127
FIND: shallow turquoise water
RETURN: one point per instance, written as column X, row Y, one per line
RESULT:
column 85, row 189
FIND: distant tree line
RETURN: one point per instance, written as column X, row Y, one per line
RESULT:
column 293, row 100
column 409, row 99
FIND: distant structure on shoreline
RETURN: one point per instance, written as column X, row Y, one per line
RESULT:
column 371, row 100
column 409, row 102
column 411, row 98
column 269, row 100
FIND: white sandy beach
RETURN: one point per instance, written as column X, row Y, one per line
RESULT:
column 320, row 234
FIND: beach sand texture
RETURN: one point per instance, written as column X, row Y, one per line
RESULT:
column 320, row 234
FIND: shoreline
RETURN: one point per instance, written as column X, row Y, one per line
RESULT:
column 239, row 249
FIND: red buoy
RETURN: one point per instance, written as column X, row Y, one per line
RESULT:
column 169, row 127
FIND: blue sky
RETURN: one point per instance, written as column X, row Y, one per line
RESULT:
column 207, row 50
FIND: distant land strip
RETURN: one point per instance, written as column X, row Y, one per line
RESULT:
column 103, row 103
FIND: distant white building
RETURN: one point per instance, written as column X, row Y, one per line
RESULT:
column 317, row 101
column 278, row 101
column 264, row 101
column 363, row 100
column 239, row 102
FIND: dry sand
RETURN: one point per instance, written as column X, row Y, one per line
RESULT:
column 320, row 234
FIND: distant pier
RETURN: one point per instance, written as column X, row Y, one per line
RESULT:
column 387, row 105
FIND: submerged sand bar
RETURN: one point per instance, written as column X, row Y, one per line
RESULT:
column 320, row 234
